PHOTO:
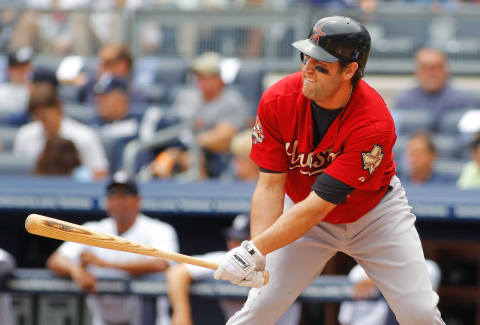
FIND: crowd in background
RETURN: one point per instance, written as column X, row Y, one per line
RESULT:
column 432, row 117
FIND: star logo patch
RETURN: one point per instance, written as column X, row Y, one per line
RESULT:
column 317, row 33
column 371, row 160
column 257, row 133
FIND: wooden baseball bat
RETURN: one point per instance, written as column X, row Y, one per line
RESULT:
column 67, row 231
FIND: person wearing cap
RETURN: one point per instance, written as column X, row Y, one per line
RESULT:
column 217, row 112
column 87, row 263
column 180, row 277
column 49, row 122
column 323, row 140
column 14, row 92
column 115, row 59
column 37, row 76
column 114, row 119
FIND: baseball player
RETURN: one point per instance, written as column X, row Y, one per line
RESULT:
column 323, row 142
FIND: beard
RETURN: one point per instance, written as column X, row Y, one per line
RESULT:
column 317, row 93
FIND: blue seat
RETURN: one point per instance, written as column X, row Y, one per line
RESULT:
column 448, row 146
column 448, row 123
column 249, row 82
column 7, row 137
column 450, row 168
column 13, row 165
column 83, row 113
column 411, row 120
column 155, row 76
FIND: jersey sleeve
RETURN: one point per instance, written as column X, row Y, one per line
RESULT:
column 365, row 156
column 268, row 148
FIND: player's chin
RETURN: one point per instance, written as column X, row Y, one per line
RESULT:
column 308, row 91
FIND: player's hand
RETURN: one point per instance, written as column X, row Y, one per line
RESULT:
column 87, row 258
column 255, row 279
column 240, row 264
column 84, row 279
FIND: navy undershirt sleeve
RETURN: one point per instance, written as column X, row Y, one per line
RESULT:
column 264, row 170
column 331, row 189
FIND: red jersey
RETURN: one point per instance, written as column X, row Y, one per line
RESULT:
column 356, row 150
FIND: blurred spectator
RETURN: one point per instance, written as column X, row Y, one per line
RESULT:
column 7, row 266
column 45, row 107
column 115, row 59
column 420, row 155
column 43, row 74
column 59, row 157
column 373, row 312
column 37, row 76
column 217, row 113
column 14, row 92
column 111, row 102
column 87, row 263
column 433, row 92
column 114, row 119
column 470, row 176
column 180, row 276
column 53, row 30
column 244, row 168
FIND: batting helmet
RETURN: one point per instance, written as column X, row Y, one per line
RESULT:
column 337, row 38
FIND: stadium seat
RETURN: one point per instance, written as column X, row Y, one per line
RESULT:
column 83, row 113
column 448, row 123
column 7, row 137
column 155, row 76
column 249, row 82
column 411, row 120
column 13, row 165
column 448, row 146
column 450, row 167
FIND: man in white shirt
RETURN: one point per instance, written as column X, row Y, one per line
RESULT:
column 86, row 263
column 180, row 276
column 46, row 109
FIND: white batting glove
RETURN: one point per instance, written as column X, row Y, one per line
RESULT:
column 255, row 279
column 239, row 266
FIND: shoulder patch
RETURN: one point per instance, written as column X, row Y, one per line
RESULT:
column 257, row 133
column 371, row 160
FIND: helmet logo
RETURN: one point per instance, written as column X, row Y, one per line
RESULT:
column 317, row 33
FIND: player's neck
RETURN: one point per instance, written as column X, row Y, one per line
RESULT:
column 339, row 100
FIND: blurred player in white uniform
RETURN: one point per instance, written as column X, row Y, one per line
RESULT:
column 180, row 276
column 85, row 263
